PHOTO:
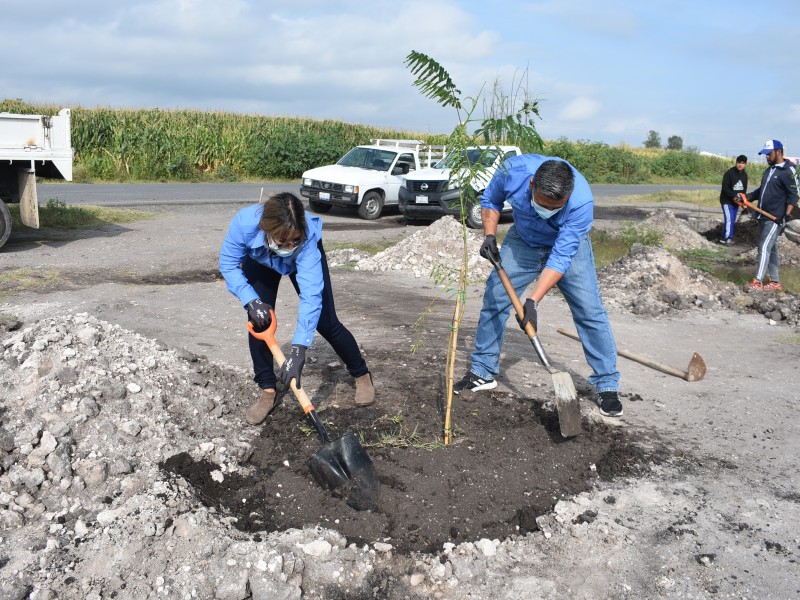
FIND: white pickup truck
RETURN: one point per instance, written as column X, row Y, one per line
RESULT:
column 31, row 145
column 431, row 193
column 368, row 177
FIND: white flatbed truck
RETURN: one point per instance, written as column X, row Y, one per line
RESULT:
column 31, row 146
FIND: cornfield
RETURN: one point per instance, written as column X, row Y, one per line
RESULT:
column 189, row 145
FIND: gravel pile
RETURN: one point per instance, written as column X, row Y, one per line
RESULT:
column 439, row 246
column 91, row 411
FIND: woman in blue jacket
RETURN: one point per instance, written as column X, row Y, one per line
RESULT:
column 264, row 243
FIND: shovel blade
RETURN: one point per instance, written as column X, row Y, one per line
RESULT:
column 697, row 368
column 567, row 405
column 342, row 460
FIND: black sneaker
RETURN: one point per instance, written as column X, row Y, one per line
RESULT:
column 609, row 404
column 473, row 383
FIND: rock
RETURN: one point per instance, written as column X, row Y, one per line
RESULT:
column 93, row 472
column 59, row 463
column 319, row 548
column 263, row 588
column 39, row 454
column 486, row 547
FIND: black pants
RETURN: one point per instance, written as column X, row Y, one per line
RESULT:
column 265, row 281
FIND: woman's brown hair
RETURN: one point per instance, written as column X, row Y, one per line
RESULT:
column 283, row 217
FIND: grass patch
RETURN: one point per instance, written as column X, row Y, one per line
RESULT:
column 370, row 247
column 609, row 247
column 703, row 259
column 15, row 281
column 59, row 215
column 699, row 198
column 393, row 433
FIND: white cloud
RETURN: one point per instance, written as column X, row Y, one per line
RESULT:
column 580, row 109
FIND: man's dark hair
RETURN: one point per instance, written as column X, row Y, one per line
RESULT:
column 554, row 179
column 741, row 158
column 283, row 216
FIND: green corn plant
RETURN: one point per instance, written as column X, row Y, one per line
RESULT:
column 504, row 120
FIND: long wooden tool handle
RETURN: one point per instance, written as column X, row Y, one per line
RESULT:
column 743, row 201
column 640, row 359
column 515, row 301
column 520, row 310
column 268, row 336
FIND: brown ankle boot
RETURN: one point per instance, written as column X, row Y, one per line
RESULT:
column 365, row 391
column 259, row 411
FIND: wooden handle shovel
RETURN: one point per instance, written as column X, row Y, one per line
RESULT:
column 742, row 200
column 339, row 460
column 696, row 371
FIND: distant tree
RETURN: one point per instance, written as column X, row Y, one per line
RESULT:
column 653, row 140
column 675, row 142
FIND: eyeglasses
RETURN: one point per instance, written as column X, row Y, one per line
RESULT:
column 289, row 244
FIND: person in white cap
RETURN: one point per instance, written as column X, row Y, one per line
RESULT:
column 777, row 195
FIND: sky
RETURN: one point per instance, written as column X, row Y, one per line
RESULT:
column 720, row 74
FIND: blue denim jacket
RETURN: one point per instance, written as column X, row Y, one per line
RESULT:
column 563, row 231
column 246, row 239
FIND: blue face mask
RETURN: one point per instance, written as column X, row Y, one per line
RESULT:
column 542, row 211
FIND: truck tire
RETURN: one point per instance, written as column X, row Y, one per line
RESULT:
column 474, row 219
column 5, row 223
column 320, row 207
column 371, row 206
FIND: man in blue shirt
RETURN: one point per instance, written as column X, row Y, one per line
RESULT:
column 549, row 242
column 264, row 243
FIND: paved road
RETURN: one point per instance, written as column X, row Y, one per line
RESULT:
column 197, row 198
column 144, row 194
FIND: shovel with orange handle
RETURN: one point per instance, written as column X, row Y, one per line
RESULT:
column 338, row 461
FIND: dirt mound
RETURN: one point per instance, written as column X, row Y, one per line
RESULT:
column 676, row 233
column 651, row 281
column 439, row 245
column 121, row 456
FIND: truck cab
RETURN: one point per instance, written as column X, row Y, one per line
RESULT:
column 431, row 193
column 368, row 177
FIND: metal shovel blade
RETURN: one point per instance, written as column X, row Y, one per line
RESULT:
column 342, row 460
column 568, row 406
column 697, row 368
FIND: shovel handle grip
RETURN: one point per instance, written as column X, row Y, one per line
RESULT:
column 268, row 336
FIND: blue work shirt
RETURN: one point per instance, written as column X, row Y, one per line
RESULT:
column 563, row 231
column 245, row 238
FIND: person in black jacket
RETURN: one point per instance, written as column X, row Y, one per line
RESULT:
column 733, row 182
column 777, row 195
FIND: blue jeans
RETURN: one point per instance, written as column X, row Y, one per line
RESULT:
column 523, row 264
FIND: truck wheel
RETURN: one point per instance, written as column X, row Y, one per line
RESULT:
column 371, row 206
column 5, row 223
column 320, row 207
column 474, row 219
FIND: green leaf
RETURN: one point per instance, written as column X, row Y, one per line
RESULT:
column 432, row 80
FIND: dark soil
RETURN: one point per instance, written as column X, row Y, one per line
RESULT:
column 507, row 465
